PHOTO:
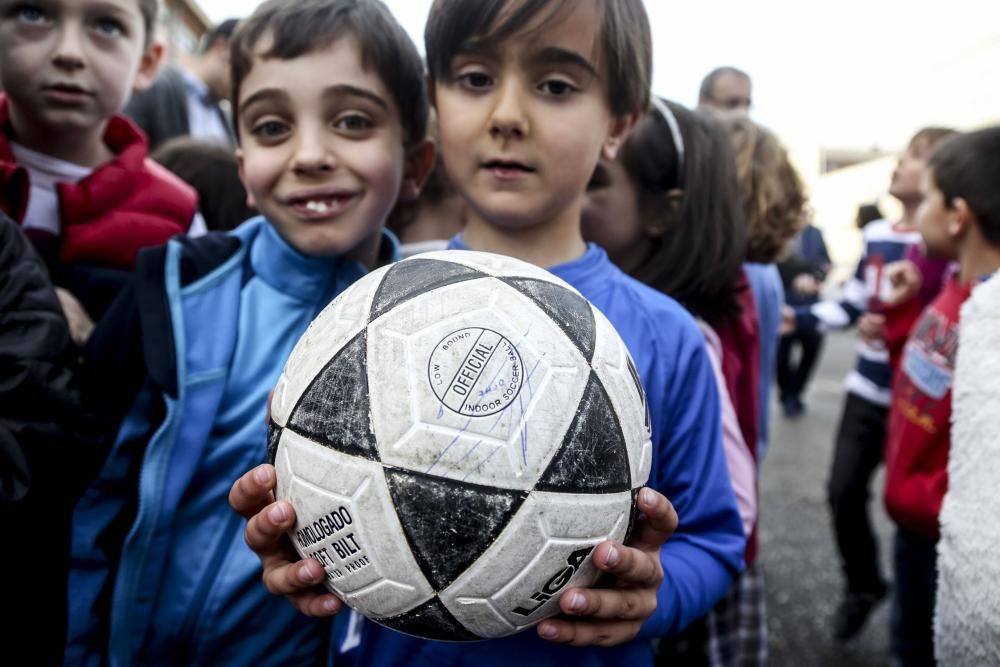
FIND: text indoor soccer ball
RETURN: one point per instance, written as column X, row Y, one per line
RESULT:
column 457, row 432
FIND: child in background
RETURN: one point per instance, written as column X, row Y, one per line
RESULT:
column 966, row 632
column 667, row 211
column 959, row 219
column 429, row 222
column 331, row 113
column 773, row 202
column 861, row 434
column 529, row 96
column 802, row 276
column 773, row 205
column 73, row 170
column 212, row 170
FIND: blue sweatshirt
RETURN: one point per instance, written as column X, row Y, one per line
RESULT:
column 689, row 468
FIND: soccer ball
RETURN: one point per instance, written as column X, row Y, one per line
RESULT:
column 457, row 432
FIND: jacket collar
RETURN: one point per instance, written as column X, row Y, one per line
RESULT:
column 104, row 189
column 290, row 272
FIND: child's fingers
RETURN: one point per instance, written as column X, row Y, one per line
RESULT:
column 316, row 604
column 253, row 491
column 282, row 577
column 658, row 524
column 584, row 633
column 631, row 566
column 613, row 604
column 266, row 530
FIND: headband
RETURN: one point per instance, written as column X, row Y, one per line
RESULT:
column 675, row 132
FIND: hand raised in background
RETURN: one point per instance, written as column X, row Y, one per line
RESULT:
column 906, row 280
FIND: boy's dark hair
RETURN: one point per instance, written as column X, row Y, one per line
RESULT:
column 149, row 9
column 699, row 258
column 931, row 135
column 868, row 213
column 221, row 31
column 298, row 27
column 626, row 50
column 966, row 166
column 212, row 170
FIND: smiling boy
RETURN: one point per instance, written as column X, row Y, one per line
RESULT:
column 529, row 95
column 73, row 171
column 331, row 114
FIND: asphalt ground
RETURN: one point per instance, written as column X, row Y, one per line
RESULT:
column 801, row 569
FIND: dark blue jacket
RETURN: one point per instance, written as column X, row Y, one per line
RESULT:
column 161, row 574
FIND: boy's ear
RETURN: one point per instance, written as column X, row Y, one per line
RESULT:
column 419, row 161
column 618, row 132
column 149, row 65
column 239, row 162
column 960, row 219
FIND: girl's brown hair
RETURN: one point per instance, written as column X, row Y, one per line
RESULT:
column 771, row 191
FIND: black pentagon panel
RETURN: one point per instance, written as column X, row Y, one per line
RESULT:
column 431, row 620
column 569, row 310
column 449, row 524
column 414, row 277
column 593, row 457
column 333, row 410
column 634, row 373
column 633, row 514
column 273, row 436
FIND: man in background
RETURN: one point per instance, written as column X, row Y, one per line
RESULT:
column 186, row 100
column 726, row 89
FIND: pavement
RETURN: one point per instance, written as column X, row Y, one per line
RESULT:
column 802, row 573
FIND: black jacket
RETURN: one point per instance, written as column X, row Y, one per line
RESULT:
column 47, row 453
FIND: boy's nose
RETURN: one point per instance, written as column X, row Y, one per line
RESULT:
column 509, row 119
column 68, row 54
column 311, row 156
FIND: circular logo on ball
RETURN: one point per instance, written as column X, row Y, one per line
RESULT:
column 475, row 372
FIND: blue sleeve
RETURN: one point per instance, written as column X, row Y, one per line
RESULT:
column 689, row 468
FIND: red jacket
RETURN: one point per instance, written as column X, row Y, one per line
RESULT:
column 919, row 436
column 124, row 205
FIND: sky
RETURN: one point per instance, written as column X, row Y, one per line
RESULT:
column 845, row 74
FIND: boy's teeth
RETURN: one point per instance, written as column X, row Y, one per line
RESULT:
column 317, row 206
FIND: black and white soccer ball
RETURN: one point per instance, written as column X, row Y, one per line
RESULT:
column 457, row 432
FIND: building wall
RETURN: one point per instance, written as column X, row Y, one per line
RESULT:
column 960, row 91
column 182, row 23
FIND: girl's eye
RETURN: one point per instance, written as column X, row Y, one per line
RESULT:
column 557, row 88
column 354, row 123
column 30, row 15
column 269, row 129
column 109, row 28
column 476, row 80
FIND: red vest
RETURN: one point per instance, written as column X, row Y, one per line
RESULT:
column 124, row 205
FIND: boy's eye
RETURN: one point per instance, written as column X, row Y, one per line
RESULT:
column 475, row 80
column 353, row 123
column 108, row 27
column 557, row 88
column 30, row 15
column 270, row 129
